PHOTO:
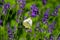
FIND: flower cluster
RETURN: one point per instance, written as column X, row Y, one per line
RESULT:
column 46, row 14
column 10, row 33
column 0, row 21
column 44, row 2
column 5, row 8
column 22, row 3
column 34, row 10
column 51, row 27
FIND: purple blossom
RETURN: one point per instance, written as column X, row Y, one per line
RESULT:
column 22, row 3
column 4, row 11
column 17, row 20
column 52, row 26
column 46, row 14
column 34, row 10
column 10, row 33
column 0, row 21
column 19, row 12
column 58, row 7
column 51, row 37
column 6, row 6
column 55, row 12
column 44, row 2
column 44, row 19
column 50, row 30
column 33, row 14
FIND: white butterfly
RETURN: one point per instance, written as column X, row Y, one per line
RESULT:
column 27, row 23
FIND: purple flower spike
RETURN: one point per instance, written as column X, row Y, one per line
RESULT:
column 46, row 14
column 50, row 30
column 6, row 6
column 17, row 20
column 22, row 3
column 44, row 2
column 34, row 10
column 51, row 37
column 0, row 21
column 22, row 6
column 10, row 34
column 44, row 20
column 55, row 12
column 52, row 25
column 58, row 7
column 4, row 11
column 19, row 12
column 33, row 14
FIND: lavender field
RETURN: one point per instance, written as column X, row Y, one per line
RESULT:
column 29, row 19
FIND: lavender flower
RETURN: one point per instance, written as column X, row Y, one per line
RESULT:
column 17, row 20
column 34, row 10
column 33, row 14
column 50, row 30
column 19, row 12
column 10, row 34
column 6, row 6
column 51, row 37
column 22, row 3
column 46, row 14
column 55, row 12
column 0, row 21
column 58, row 7
column 44, row 20
column 44, row 2
column 4, row 11
column 52, row 25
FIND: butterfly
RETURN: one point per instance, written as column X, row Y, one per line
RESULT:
column 27, row 23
